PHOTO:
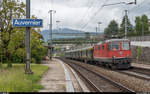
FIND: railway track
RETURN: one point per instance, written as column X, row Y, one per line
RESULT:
column 97, row 81
column 94, row 87
column 141, row 70
column 137, row 72
column 141, row 73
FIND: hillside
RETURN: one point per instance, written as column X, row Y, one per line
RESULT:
column 46, row 33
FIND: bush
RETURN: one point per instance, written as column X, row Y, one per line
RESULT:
column 139, row 51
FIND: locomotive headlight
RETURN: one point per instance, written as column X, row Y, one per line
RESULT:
column 127, row 55
column 113, row 59
column 113, row 56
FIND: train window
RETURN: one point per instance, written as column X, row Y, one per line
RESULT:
column 125, row 46
column 103, row 47
column 95, row 48
column 114, row 46
column 98, row 47
column 109, row 46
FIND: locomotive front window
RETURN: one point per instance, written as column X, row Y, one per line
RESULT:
column 114, row 46
column 98, row 47
column 125, row 46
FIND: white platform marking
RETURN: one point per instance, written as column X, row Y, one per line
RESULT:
column 69, row 86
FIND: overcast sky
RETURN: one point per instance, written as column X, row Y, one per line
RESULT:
column 84, row 14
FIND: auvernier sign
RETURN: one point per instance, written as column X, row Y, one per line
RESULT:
column 27, row 23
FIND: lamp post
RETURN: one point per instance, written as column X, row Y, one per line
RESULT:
column 121, row 3
column 96, row 30
column 57, row 22
column 99, row 25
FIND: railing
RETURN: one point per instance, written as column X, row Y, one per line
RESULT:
column 140, row 38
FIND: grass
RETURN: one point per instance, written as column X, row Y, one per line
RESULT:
column 14, row 79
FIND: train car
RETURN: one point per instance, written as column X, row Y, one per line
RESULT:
column 86, row 54
column 114, row 53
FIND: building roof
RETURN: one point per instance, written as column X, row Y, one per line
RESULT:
column 112, row 40
column 85, row 48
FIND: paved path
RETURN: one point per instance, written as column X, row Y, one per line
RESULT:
column 54, row 80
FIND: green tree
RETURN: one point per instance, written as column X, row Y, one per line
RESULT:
column 107, row 32
column 111, row 30
column 17, row 46
column 138, row 25
column 38, row 51
column 9, row 9
column 122, row 27
column 13, row 39
column 145, row 24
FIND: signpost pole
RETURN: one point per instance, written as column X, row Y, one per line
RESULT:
column 28, row 58
column 51, row 39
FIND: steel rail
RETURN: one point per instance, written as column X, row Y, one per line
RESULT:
column 87, row 80
column 141, row 72
column 134, row 75
column 118, row 85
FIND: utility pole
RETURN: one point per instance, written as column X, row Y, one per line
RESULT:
column 1, row 1
column 126, row 24
column 28, row 56
column 142, row 29
column 96, row 30
column 1, row 36
column 50, row 28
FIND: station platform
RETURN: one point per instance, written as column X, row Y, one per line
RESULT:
column 61, row 78
column 146, row 66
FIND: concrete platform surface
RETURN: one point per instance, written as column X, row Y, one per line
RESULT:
column 146, row 66
column 60, row 78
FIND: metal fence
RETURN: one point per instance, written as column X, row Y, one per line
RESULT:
column 140, row 38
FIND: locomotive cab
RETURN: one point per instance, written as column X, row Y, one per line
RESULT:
column 120, row 53
column 114, row 52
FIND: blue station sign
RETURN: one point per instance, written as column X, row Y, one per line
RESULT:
column 27, row 22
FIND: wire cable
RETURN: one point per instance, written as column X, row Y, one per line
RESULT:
column 90, row 7
column 94, row 14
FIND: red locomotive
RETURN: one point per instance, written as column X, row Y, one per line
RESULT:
column 114, row 53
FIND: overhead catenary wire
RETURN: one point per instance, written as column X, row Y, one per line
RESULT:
column 94, row 15
column 89, row 7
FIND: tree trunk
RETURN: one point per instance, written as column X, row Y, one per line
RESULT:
column 9, row 64
column 0, row 65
